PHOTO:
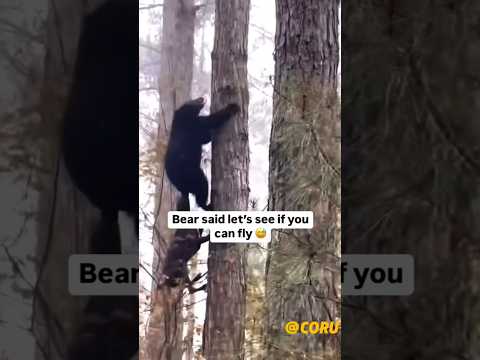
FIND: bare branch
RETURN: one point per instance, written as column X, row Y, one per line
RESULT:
column 151, row 6
column 149, row 47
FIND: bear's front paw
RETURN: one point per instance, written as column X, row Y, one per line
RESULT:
column 232, row 109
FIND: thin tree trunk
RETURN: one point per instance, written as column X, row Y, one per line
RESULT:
column 301, row 281
column 66, row 218
column 224, row 330
column 165, row 331
column 190, row 316
column 200, row 87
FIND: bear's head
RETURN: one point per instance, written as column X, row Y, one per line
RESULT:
column 191, row 108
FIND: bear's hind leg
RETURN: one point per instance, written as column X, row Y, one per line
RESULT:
column 183, row 203
column 200, row 189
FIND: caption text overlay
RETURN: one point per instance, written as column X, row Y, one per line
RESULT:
column 377, row 274
column 240, row 226
column 104, row 274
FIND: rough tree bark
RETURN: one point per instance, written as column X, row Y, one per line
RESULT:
column 302, row 282
column 66, row 218
column 165, row 330
column 224, row 323
column 410, row 144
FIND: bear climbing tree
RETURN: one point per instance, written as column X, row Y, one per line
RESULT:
column 190, row 131
column 100, row 142
column 100, row 149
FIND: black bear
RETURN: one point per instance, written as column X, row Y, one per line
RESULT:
column 100, row 138
column 100, row 149
column 189, row 132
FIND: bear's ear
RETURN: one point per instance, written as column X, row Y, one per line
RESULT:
column 193, row 106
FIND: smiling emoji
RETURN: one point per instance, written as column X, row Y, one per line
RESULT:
column 261, row 233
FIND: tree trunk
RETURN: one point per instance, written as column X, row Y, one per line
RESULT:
column 190, row 316
column 410, row 139
column 66, row 218
column 302, row 266
column 165, row 331
column 224, row 330
column 201, row 86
